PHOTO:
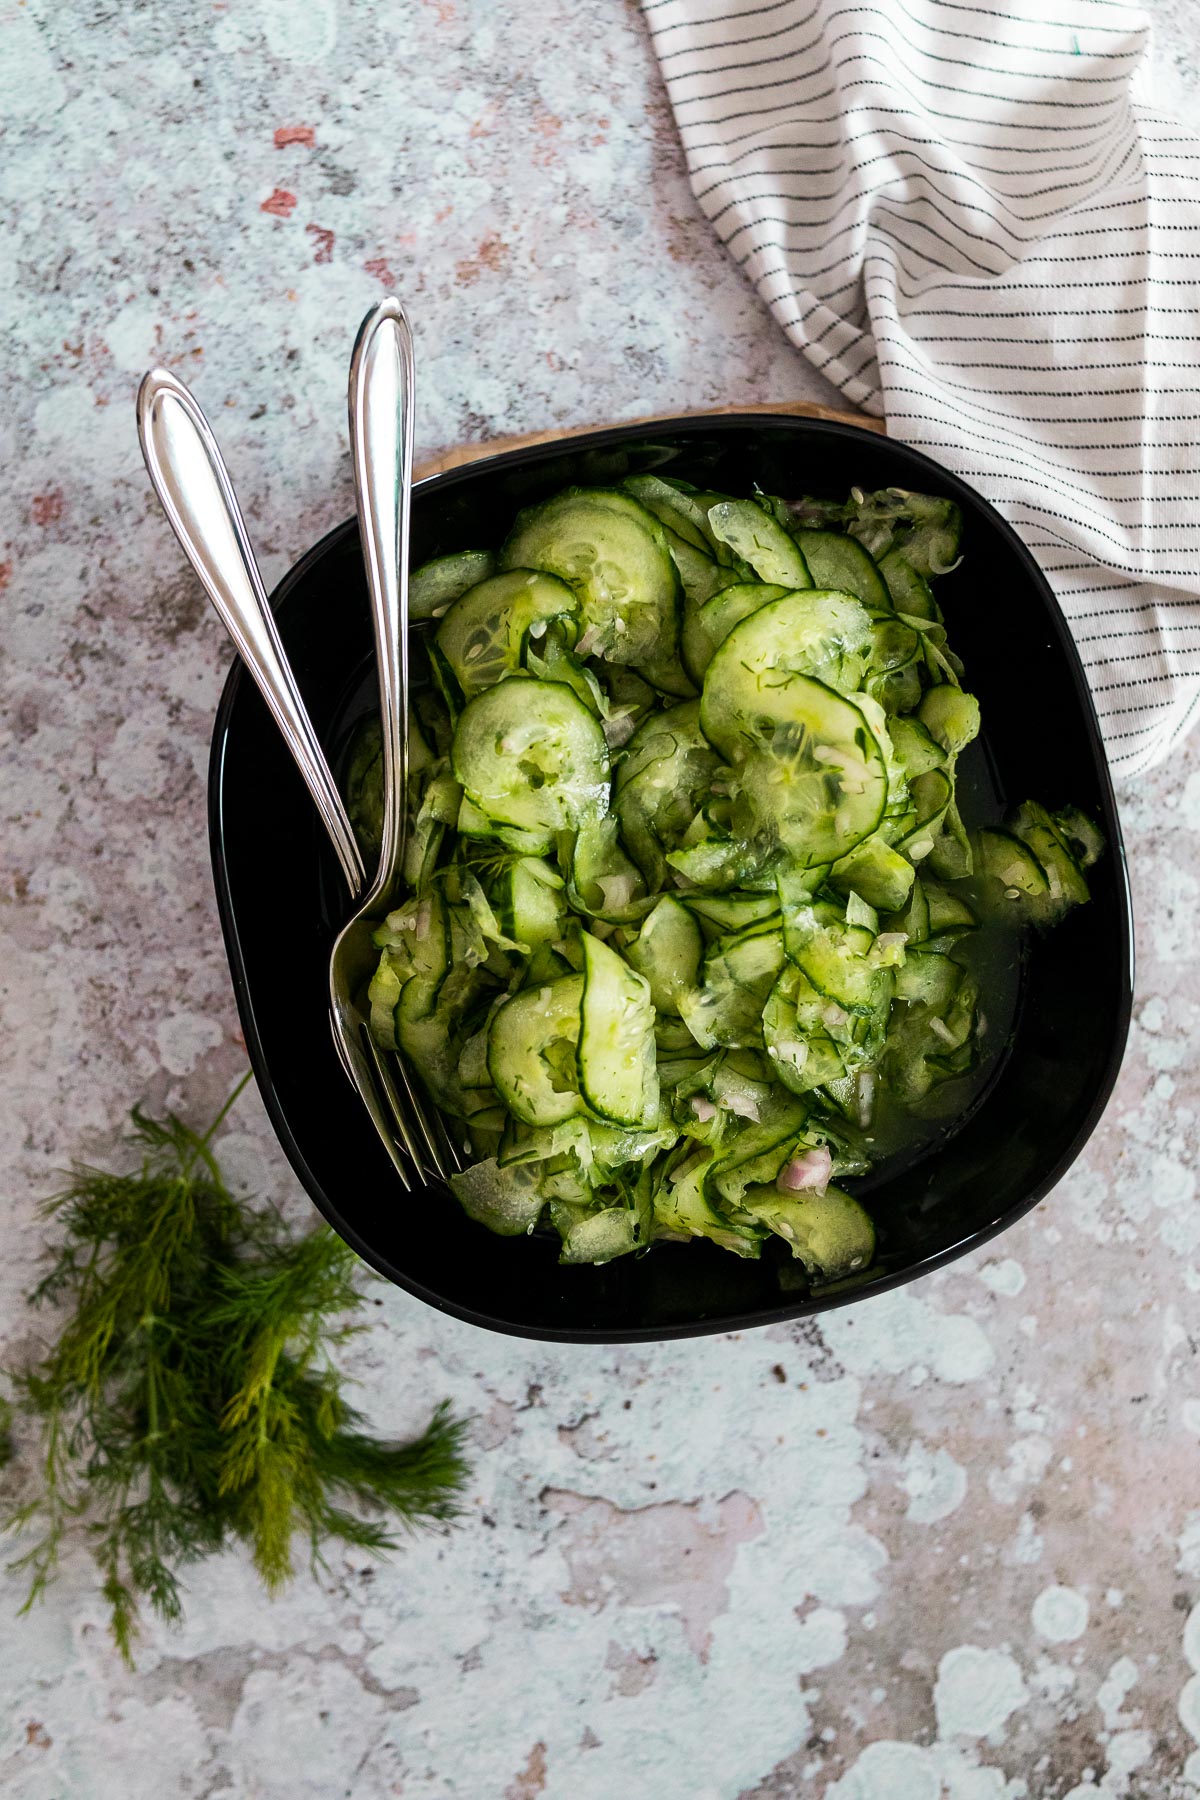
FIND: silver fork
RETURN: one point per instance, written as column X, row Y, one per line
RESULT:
column 193, row 485
column 382, row 411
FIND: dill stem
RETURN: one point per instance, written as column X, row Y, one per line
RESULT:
column 206, row 1136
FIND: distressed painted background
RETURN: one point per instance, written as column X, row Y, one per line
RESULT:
column 944, row 1546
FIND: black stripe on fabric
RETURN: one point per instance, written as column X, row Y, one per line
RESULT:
column 1129, row 337
column 997, row 198
column 1057, row 368
column 1099, row 560
column 989, row 42
column 1019, row 469
column 1011, row 173
column 1112, row 687
column 956, row 251
column 1140, row 656
column 974, row 119
column 1121, row 712
column 763, row 37
column 1041, row 287
column 883, row 199
column 899, row 112
column 1119, row 79
column 750, row 12
column 795, row 251
column 1047, row 369
column 1111, row 312
column 756, row 87
column 1101, row 637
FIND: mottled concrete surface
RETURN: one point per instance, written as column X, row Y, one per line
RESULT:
column 944, row 1545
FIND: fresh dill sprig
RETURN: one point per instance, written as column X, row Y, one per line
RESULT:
column 189, row 1400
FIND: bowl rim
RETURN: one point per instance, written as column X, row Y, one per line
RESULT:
column 803, row 1305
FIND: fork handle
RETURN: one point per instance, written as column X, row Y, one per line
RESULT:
column 382, row 411
column 193, row 485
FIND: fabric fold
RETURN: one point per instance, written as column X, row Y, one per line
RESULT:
column 971, row 224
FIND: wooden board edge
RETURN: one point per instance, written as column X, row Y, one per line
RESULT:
column 462, row 454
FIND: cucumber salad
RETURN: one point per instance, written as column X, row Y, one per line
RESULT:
column 691, row 898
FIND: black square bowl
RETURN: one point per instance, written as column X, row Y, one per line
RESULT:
column 1046, row 1092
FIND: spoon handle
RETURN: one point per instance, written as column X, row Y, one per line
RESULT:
column 193, row 485
column 381, row 402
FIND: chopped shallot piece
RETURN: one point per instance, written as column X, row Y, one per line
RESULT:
column 703, row 1109
column 810, row 1172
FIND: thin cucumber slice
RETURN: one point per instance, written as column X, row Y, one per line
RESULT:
column 837, row 561
column 705, row 630
column 876, row 871
column 662, row 779
column 895, row 646
column 814, row 776
column 676, row 510
column 732, row 912
column 473, row 822
column 727, row 1010
column 438, row 583
column 603, row 881
column 952, row 857
column 928, row 976
column 753, row 535
column 532, row 1051
column 599, row 1237
column 915, row 749
column 950, row 716
column 802, row 1060
column 910, row 592
column 1004, row 858
column 529, row 754
column 530, row 904
column 617, row 1073
column 947, row 911
column 483, row 635
column 755, row 684
column 830, row 1233
column 682, row 1208
column 671, row 506
column 913, row 920
column 1066, row 884
column 700, row 574
column 508, row 1201
column 759, row 1149
column 1082, row 838
column 669, row 676
column 835, row 957
column 613, row 553
column 931, row 542
column 667, row 951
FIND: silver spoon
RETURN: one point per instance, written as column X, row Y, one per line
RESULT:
column 193, row 485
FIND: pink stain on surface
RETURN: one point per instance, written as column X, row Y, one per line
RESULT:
column 47, row 507
column 323, row 241
column 5, row 575
column 378, row 267
column 281, row 204
column 294, row 134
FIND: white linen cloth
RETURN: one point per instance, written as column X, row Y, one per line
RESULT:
column 970, row 223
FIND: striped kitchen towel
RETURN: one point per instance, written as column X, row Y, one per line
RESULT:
column 968, row 220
